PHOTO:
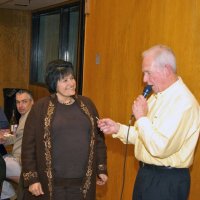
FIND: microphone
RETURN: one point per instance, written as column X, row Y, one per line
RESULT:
column 147, row 90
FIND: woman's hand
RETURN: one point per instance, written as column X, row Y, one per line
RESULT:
column 36, row 189
column 102, row 179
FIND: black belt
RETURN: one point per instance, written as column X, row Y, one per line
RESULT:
column 150, row 166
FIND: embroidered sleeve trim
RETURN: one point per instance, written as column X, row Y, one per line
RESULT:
column 89, row 171
column 102, row 167
column 48, row 146
column 27, row 176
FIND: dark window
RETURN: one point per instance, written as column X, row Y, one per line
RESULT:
column 57, row 33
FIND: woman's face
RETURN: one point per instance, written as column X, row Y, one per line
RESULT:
column 66, row 87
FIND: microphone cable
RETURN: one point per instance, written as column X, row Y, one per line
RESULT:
column 147, row 90
column 125, row 156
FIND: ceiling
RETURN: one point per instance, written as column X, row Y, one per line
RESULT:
column 28, row 4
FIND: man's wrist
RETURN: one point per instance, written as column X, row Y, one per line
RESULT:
column 117, row 128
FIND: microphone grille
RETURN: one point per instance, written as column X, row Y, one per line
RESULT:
column 147, row 90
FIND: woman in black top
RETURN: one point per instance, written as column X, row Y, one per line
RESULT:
column 63, row 151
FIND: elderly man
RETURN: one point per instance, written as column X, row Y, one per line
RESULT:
column 165, row 132
column 24, row 102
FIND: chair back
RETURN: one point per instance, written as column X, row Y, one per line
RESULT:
column 2, row 171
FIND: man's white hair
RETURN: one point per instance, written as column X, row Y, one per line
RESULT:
column 163, row 55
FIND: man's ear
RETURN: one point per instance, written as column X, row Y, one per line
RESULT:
column 167, row 70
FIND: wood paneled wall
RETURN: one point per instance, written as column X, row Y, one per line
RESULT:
column 15, row 27
column 118, row 32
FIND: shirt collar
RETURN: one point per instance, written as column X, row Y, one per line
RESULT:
column 170, row 90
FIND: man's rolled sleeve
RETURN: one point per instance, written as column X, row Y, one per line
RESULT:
column 122, row 134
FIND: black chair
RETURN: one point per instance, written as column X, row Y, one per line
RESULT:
column 9, row 102
column 3, row 150
column 2, row 171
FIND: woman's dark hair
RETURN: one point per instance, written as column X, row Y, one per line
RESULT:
column 56, row 70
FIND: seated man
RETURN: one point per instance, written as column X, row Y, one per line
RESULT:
column 24, row 102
